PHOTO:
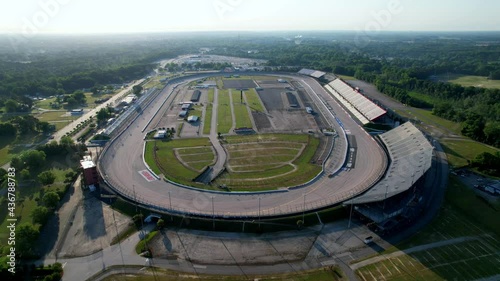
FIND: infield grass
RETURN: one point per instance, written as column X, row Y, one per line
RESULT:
column 254, row 101
column 224, row 115
column 170, row 166
column 267, row 162
column 240, row 112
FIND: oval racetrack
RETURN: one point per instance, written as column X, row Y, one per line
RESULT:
column 121, row 161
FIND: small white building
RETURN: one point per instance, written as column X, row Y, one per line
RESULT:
column 160, row 134
column 193, row 119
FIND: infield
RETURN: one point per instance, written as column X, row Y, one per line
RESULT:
column 266, row 162
column 180, row 160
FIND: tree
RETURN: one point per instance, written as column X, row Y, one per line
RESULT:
column 72, row 102
column 7, row 130
column 17, row 163
column 67, row 141
column 51, row 199
column 79, row 96
column 160, row 224
column 103, row 115
column 11, row 105
column 137, row 89
column 33, row 159
column 40, row 215
column 26, row 237
column 46, row 178
column 25, row 174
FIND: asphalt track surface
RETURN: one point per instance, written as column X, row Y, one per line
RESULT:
column 121, row 162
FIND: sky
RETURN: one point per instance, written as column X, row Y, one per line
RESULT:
column 114, row 16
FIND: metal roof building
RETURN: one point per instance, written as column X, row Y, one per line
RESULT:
column 369, row 110
column 313, row 73
column 411, row 157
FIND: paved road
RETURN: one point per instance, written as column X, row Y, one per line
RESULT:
column 121, row 162
column 221, row 153
column 59, row 134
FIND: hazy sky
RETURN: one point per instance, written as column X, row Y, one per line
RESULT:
column 90, row 16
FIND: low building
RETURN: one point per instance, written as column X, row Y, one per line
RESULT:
column 196, row 96
column 128, row 100
column 78, row 111
column 160, row 134
column 90, row 175
column 193, row 119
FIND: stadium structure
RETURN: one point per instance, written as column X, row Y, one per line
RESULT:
column 369, row 171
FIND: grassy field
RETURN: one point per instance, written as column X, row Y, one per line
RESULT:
column 463, row 215
column 240, row 112
column 266, row 162
column 254, row 101
column 170, row 166
column 466, row 81
column 207, row 124
column 323, row 274
column 27, row 195
column 224, row 116
column 52, row 116
column 196, row 158
column 428, row 118
column 426, row 98
column 459, row 152
column 211, row 95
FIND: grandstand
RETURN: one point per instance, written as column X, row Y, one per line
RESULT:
column 411, row 157
column 312, row 73
column 360, row 106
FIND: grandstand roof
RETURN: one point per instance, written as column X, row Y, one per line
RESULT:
column 313, row 73
column 362, row 104
column 411, row 157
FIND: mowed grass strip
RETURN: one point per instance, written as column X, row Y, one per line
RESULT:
column 255, row 168
column 224, row 115
column 254, row 101
column 194, row 150
column 198, row 157
column 207, row 125
column 211, row 93
column 240, row 112
column 261, row 159
column 168, row 164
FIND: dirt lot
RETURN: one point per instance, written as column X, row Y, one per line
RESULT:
column 239, row 84
column 93, row 228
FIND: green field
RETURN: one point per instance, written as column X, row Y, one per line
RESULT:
column 467, row 80
column 428, row 118
column 254, row 101
column 196, row 158
column 240, row 112
column 167, row 163
column 266, row 162
column 224, row 115
column 322, row 274
column 459, row 152
column 27, row 196
column 464, row 215
column 211, row 95
column 207, row 125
